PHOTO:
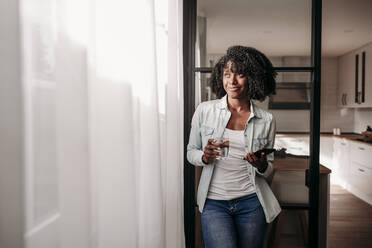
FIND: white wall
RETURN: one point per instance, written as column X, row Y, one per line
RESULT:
column 11, row 129
column 331, row 115
column 362, row 118
column 348, row 119
column 292, row 120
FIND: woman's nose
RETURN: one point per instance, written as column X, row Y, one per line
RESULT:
column 234, row 79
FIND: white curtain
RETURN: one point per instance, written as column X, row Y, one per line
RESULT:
column 114, row 74
column 136, row 124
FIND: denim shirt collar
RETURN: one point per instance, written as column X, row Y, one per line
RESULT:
column 255, row 112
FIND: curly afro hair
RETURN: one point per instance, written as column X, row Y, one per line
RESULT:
column 251, row 63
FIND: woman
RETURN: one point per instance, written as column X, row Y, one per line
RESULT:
column 234, row 198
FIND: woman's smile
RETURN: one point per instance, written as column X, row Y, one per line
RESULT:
column 233, row 89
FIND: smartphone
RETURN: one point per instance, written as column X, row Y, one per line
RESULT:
column 265, row 151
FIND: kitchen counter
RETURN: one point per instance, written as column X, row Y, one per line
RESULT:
column 347, row 155
column 288, row 184
column 350, row 136
column 296, row 164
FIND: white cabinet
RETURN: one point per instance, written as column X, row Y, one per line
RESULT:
column 355, row 78
column 361, row 153
column 360, row 173
column 352, row 167
column 346, row 88
column 350, row 161
column 361, row 177
column 326, row 152
column 341, row 161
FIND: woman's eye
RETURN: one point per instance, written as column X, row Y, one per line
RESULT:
column 227, row 75
column 241, row 75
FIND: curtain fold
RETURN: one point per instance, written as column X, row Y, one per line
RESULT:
column 135, row 112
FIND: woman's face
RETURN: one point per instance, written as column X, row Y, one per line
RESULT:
column 234, row 84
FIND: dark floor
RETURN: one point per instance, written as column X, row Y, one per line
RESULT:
column 350, row 224
column 350, row 220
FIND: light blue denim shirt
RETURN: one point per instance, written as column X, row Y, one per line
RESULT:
column 209, row 121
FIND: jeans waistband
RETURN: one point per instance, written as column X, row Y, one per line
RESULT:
column 246, row 197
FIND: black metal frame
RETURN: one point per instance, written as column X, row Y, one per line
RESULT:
column 278, row 69
column 356, row 97
column 316, row 52
column 189, row 34
column 363, row 75
column 288, row 105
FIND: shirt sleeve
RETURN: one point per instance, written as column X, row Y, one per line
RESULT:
column 194, row 147
column 270, row 157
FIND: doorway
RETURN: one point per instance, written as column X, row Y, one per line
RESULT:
column 209, row 28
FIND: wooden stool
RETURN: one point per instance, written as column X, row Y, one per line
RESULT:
column 272, row 239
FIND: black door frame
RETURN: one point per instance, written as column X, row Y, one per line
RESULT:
column 189, row 34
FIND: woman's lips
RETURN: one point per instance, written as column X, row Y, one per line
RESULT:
column 234, row 89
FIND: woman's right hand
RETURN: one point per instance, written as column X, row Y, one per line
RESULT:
column 210, row 152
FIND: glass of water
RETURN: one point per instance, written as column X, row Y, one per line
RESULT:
column 224, row 144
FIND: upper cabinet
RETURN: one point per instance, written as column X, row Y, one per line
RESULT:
column 366, row 80
column 355, row 78
column 346, row 75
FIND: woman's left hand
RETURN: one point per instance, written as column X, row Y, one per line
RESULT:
column 259, row 163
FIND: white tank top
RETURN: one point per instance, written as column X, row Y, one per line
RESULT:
column 230, row 178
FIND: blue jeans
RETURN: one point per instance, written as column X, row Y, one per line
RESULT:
column 236, row 223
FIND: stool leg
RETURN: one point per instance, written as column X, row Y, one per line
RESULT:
column 302, row 225
column 305, row 226
column 277, row 229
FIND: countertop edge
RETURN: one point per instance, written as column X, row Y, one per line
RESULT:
column 349, row 136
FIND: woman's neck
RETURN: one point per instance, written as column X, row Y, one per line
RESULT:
column 238, row 105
